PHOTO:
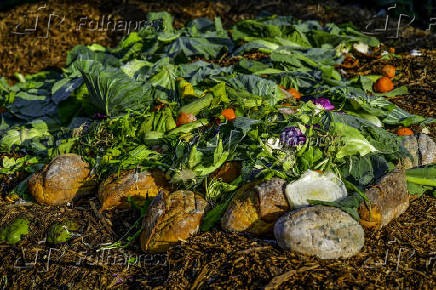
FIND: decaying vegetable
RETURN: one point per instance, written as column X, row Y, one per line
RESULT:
column 12, row 233
column 315, row 186
column 256, row 207
column 61, row 180
column 387, row 200
column 61, row 232
column 171, row 217
column 229, row 114
column 405, row 132
column 228, row 172
column 388, row 71
column 116, row 190
column 293, row 92
column 185, row 118
column 383, row 85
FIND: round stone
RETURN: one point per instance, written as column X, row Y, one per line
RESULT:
column 325, row 232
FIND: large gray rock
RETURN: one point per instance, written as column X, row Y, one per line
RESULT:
column 325, row 232
column 388, row 199
column 427, row 149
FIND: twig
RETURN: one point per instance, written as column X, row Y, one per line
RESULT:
column 102, row 219
column 278, row 280
column 253, row 250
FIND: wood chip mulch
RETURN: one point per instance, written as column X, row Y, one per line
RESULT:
column 401, row 255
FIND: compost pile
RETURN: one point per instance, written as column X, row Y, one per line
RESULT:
column 175, row 131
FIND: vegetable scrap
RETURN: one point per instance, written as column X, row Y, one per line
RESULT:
column 159, row 102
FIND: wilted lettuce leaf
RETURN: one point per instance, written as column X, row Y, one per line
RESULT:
column 81, row 52
column 20, row 135
column 201, row 71
column 64, row 88
column 13, row 232
column 352, row 142
column 135, row 67
column 385, row 142
column 258, row 86
column 363, row 171
column 29, row 106
column 112, row 91
column 194, row 46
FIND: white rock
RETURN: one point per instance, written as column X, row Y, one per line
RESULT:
column 325, row 232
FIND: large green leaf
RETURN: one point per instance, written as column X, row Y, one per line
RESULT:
column 113, row 92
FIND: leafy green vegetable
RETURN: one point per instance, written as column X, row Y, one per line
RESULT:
column 116, row 107
column 349, row 204
column 351, row 141
column 422, row 175
column 61, row 232
column 421, row 179
column 112, row 91
column 198, row 105
column 12, row 233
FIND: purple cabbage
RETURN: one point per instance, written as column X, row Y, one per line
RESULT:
column 325, row 103
column 99, row 116
column 292, row 136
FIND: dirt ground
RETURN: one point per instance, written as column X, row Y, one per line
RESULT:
column 400, row 255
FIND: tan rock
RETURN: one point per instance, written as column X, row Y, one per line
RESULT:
column 115, row 190
column 60, row 181
column 389, row 198
column 256, row 207
column 172, row 217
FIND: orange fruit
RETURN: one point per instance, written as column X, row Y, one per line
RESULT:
column 405, row 132
column 388, row 71
column 185, row 118
column 294, row 93
column 383, row 85
column 229, row 114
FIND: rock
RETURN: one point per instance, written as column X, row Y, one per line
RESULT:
column 256, row 207
column 60, row 181
column 325, row 232
column 388, row 199
column 422, row 150
column 272, row 201
column 427, row 149
column 411, row 145
column 172, row 217
column 115, row 191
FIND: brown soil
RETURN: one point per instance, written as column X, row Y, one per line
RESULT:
column 400, row 255
column 34, row 51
